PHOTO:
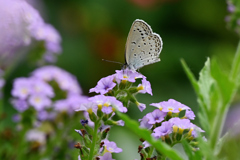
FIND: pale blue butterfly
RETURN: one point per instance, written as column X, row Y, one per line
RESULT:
column 143, row 47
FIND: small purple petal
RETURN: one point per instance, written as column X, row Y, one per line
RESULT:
column 156, row 116
column 104, row 85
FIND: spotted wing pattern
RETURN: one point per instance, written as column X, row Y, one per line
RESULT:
column 143, row 47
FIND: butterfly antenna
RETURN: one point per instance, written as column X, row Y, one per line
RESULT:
column 112, row 61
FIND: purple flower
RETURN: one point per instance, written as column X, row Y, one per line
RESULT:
column 164, row 129
column 36, row 136
column 39, row 102
column 106, row 101
column 41, row 87
column 170, row 106
column 181, row 123
column 16, row 118
column 20, row 105
column 189, row 114
column 22, row 88
column 145, row 87
column 120, row 123
column 20, row 23
column 128, row 75
column 144, row 123
column 89, row 107
column 65, row 80
column 104, row 85
column 146, row 144
column 79, row 158
column 231, row 8
column 141, row 106
column 106, row 156
column 118, row 105
column 195, row 130
column 42, row 115
column 111, row 147
column 156, row 116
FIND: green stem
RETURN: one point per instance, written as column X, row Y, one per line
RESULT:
column 217, row 127
column 236, row 64
column 94, row 141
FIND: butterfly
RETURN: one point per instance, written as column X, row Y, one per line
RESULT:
column 143, row 47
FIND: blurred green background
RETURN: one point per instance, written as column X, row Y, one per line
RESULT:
column 97, row 29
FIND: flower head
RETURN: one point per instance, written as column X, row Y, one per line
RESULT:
column 36, row 135
column 164, row 129
column 20, row 24
column 156, row 116
column 65, row 80
column 181, row 123
column 145, row 87
column 141, row 106
column 104, row 85
column 39, row 101
column 20, row 105
column 106, row 156
column 127, row 75
column 111, row 147
column 144, row 123
column 170, row 106
column 107, row 103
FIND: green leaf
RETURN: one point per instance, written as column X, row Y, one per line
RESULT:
column 163, row 148
column 236, row 65
column 205, row 83
column 226, row 86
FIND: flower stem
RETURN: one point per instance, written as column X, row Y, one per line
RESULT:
column 94, row 140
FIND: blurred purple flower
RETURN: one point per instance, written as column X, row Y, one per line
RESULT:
column 22, row 88
column 16, row 118
column 20, row 23
column 39, row 101
column 89, row 107
column 42, row 115
column 231, row 8
column 41, row 87
column 106, row 156
column 189, row 114
column 164, row 129
column 144, row 123
column 146, row 144
column 146, row 87
column 120, row 123
column 111, row 146
column 20, row 105
column 35, row 135
column 156, row 116
column 65, row 80
column 104, row 85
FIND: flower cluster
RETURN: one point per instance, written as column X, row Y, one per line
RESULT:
column 233, row 19
column 115, row 93
column 120, row 86
column 47, row 90
column 167, row 125
column 20, row 25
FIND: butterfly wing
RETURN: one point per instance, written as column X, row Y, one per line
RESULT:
column 143, row 47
